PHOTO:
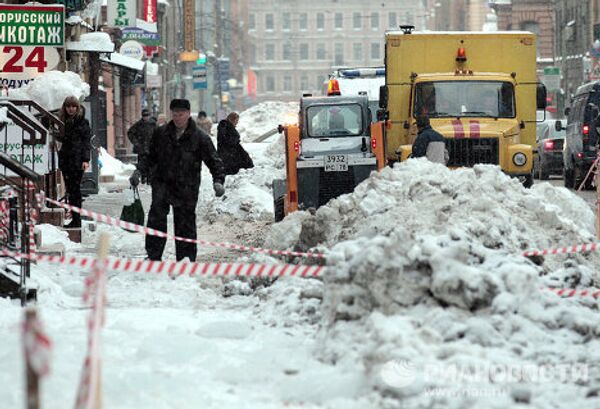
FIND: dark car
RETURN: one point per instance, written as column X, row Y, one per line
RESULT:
column 581, row 141
column 549, row 158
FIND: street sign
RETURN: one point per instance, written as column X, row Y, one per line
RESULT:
column 21, row 65
column 139, row 34
column 199, row 77
column 121, row 13
column 595, row 71
column 551, row 78
column 32, row 25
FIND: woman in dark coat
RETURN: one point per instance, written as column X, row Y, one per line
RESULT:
column 230, row 151
column 74, row 153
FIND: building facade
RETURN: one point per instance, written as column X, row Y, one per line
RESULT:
column 292, row 46
column 536, row 16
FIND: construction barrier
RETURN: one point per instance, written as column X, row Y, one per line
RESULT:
column 178, row 268
column 153, row 232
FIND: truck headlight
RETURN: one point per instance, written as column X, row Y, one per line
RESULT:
column 519, row 159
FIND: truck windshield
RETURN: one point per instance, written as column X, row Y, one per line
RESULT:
column 465, row 98
column 334, row 120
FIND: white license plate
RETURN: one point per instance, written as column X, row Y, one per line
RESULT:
column 336, row 163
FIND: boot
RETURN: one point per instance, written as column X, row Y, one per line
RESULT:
column 75, row 222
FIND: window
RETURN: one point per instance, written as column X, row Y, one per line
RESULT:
column 286, row 22
column 392, row 20
column 320, row 21
column 375, row 54
column 252, row 22
column 270, row 52
column 374, row 21
column 270, row 83
column 287, row 52
column 356, row 21
column 303, row 21
column 408, row 17
column 339, row 21
column 339, row 54
column 287, row 83
column 465, row 98
column 303, row 51
column 320, row 51
column 357, row 52
column 304, row 83
column 252, row 54
column 269, row 22
column 334, row 120
column 532, row 26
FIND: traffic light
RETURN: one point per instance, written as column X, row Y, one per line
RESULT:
column 201, row 59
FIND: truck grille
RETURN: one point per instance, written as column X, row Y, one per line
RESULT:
column 334, row 184
column 469, row 152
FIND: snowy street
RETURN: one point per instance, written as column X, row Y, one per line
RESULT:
column 366, row 205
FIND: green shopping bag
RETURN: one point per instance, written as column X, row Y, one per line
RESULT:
column 134, row 213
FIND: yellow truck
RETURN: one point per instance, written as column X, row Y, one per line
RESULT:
column 478, row 89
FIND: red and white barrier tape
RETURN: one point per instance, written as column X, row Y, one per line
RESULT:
column 581, row 248
column 153, row 232
column 569, row 292
column 37, row 346
column 175, row 268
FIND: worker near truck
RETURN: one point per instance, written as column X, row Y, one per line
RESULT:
column 429, row 143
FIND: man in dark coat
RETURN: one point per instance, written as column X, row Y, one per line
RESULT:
column 140, row 134
column 74, row 153
column 175, row 158
column 429, row 143
column 229, row 148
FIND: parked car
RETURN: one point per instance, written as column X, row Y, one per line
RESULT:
column 549, row 158
column 581, row 141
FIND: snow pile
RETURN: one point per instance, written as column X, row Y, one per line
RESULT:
column 265, row 117
column 425, row 273
column 96, row 41
column 51, row 88
column 248, row 194
column 112, row 166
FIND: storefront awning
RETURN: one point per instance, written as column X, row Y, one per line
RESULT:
column 124, row 61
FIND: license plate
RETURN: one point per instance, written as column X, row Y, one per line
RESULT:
column 336, row 163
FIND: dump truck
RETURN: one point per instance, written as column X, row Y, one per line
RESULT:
column 333, row 147
column 478, row 89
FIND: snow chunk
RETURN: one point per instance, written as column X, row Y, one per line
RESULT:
column 51, row 88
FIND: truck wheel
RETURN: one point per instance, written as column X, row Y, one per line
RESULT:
column 543, row 175
column 569, row 178
column 278, row 208
column 528, row 181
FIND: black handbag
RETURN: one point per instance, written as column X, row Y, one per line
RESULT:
column 134, row 213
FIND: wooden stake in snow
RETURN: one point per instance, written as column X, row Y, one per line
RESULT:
column 89, row 394
column 36, row 348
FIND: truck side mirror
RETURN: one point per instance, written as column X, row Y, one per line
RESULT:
column 558, row 126
column 383, row 97
column 540, row 96
column 382, row 115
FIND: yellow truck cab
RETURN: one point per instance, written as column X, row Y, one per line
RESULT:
column 478, row 89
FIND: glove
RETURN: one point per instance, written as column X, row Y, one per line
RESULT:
column 219, row 189
column 134, row 180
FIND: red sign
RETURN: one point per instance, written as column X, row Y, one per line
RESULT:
column 150, row 11
column 251, row 84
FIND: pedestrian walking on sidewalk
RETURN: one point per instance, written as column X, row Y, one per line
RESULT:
column 74, row 153
column 230, row 150
column 204, row 123
column 139, row 134
column 175, row 158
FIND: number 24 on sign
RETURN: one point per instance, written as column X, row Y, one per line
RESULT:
column 35, row 59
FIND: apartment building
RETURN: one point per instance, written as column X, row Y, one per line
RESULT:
column 293, row 46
